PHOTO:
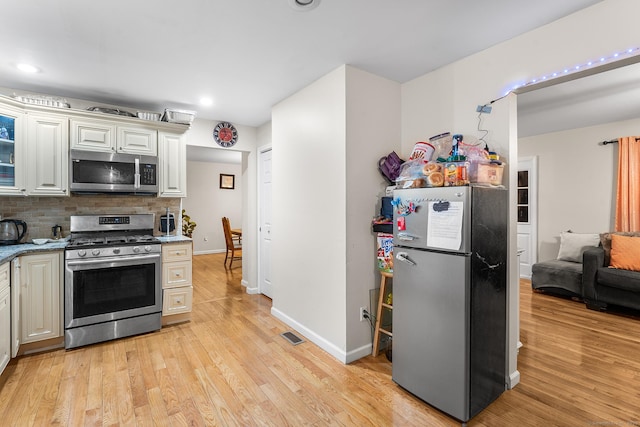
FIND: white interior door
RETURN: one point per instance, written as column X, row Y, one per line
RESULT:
column 264, row 265
column 527, row 214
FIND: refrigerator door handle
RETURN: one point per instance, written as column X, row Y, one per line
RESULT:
column 404, row 257
column 406, row 237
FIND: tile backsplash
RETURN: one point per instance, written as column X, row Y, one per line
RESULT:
column 42, row 213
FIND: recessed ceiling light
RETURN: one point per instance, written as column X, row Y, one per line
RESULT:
column 27, row 68
column 303, row 5
column 206, row 102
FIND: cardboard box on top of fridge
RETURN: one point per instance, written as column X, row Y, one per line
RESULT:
column 385, row 252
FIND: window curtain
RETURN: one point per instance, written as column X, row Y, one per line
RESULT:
column 628, row 194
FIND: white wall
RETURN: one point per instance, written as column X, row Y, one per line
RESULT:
column 576, row 180
column 446, row 99
column 309, row 210
column 373, row 120
column 327, row 140
column 206, row 203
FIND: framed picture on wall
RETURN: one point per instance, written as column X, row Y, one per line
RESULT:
column 227, row 182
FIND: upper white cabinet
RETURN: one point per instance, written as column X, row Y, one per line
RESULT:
column 107, row 136
column 93, row 135
column 48, row 163
column 12, row 157
column 172, row 158
column 34, row 150
column 35, row 142
column 137, row 140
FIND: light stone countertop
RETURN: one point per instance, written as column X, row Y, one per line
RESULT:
column 173, row 239
column 9, row 252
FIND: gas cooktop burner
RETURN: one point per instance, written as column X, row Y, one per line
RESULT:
column 112, row 240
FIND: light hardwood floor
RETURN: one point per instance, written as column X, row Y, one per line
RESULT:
column 229, row 366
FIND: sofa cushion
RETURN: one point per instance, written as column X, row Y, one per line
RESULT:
column 621, row 279
column 573, row 245
column 625, row 252
column 605, row 240
column 556, row 274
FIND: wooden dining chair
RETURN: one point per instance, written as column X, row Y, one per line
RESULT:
column 232, row 247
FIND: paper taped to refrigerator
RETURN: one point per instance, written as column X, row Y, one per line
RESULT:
column 444, row 228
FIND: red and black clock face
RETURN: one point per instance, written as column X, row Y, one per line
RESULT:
column 225, row 134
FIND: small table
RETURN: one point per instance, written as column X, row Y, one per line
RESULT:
column 237, row 232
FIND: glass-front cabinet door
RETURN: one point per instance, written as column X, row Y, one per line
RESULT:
column 11, row 152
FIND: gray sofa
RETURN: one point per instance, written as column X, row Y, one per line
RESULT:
column 603, row 285
column 558, row 277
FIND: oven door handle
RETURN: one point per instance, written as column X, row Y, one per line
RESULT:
column 112, row 259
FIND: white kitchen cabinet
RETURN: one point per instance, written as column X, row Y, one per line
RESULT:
column 177, row 286
column 5, row 316
column 137, row 140
column 47, row 143
column 107, row 136
column 16, row 333
column 41, row 296
column 172, row 158
column 176, row 273
column 93, row 135
column 177, row 300
column 12, row 154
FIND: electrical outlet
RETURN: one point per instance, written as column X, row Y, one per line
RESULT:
column 364, row 314
column 483, row 109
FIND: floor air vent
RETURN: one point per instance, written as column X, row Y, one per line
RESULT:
column 292, row 338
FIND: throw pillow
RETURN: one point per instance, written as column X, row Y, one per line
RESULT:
column 625, row 252
column 605, row 239
column 573, row 245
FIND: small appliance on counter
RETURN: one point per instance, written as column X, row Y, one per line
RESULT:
column 56, row 232
column 163, row 223
column 12, row 231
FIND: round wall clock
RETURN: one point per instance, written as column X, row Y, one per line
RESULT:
column 225, row 134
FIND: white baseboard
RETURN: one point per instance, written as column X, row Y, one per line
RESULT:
column 321, row 342
column 311, row 336
column 514, row 379
column 249, row 290
column 359, row 353
column 214, row 251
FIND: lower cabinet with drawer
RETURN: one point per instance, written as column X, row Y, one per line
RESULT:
column 177, row 289
column 5, row 316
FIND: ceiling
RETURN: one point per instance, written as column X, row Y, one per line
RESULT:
column 246, row 55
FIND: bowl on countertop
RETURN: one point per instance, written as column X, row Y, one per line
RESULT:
column 39, row 241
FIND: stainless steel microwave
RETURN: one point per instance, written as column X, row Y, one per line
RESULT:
column 96, row 172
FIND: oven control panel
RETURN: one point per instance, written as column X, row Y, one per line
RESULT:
column 114, row 220
column 113, row 251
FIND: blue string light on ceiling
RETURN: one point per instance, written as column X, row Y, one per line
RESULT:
column 576, row 68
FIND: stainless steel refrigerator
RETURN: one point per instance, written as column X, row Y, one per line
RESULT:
column 449, row 296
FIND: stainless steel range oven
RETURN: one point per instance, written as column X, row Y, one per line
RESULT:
column 112, row 285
